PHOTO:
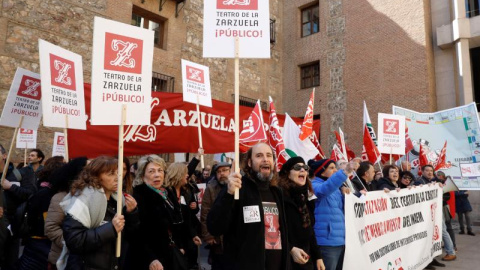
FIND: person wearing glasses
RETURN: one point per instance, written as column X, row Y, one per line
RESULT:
column 299, row 201
column 329, row 209
column 160, row 218
column 406, row 179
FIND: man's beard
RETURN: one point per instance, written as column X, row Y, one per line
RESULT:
column 222, row 180
column 263, row 178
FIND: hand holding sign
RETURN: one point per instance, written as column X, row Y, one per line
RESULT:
column 234, row 182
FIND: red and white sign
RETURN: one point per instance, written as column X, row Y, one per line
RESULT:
column 26, row 138
column 173, row 129
column 224, row 20
column 62, row 87
column 391, row 134
column 23, row 99
column 196, row 82
column 121, row 73
column 382, row 229
column 58, row 144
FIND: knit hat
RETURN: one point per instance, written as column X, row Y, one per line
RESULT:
column 287, row 166
column 318, row 167
column 221, row 164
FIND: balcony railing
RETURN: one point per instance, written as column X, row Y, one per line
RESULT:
column 472, row 7
column 162, row 83
column 250, row 102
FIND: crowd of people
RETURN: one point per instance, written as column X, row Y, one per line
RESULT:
column 64, row 214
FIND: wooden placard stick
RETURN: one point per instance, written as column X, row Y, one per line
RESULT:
column 120, row 173
column 237, row 112
column 5, row 168
column 200, row 141
column 65, row 134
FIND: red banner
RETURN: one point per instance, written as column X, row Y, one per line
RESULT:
column 173, row 129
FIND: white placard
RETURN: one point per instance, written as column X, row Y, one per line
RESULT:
column 391, row 134
column 224, row 20
column 396, row 230
column 470, row 169
column 196, row 82
column 24, row 98
column 62, row 87
column 58, row 144
column 121, row 73
column 26, row 138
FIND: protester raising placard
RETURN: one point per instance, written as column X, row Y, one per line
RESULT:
column 121, row 73
column 24, row 98
column 62, row 87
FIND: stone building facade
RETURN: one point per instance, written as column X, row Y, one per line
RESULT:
column 69, row 24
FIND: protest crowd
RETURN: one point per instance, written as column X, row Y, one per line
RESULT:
column 290, row 219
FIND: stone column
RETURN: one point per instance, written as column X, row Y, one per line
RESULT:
column 461, row 32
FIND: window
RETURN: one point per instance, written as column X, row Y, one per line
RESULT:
column 162, row 83
column 310, row 20
column 472, row 8
column 249, row 102
column 149, row 20
column 310, row 75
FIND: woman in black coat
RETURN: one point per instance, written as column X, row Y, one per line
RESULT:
column 390, row 178
column 161, row 219
column 293, row 179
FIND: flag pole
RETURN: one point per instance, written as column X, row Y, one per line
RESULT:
column 25, row 155
column 200, row 141
column 65, row 134
column 237, row 112
column 120, row 173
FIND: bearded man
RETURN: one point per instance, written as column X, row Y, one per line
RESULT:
column 253, row 227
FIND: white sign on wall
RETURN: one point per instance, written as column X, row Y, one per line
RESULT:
column 196, row 82
column 121, row 73
column 24, row 98
column 58, row 144
column 224, row 20
column 62, row 87
column 391, row 134
column 27, row 138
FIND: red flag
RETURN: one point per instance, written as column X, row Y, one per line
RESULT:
column 336, row 153
column 451, row 203
column 307, row 126
column 408, row 141
column 275, row 138
column 369, row 147
column 441, row 161
column 350, row 153
column 253, row 130
column 314, row 140
column 422, row 157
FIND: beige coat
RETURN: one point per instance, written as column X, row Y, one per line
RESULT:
column 53, row 226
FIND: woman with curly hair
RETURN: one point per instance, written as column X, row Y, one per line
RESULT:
column 91, row 224
column 299, row 202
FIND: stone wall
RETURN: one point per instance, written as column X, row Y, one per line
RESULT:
column 69, row 24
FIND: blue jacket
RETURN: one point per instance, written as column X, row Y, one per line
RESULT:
column 329, row 212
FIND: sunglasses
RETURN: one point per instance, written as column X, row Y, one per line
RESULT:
column 407, row 178
column 298, row 167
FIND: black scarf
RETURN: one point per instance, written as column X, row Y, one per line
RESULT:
column 299, row 195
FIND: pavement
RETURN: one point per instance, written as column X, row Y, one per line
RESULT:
column 468, row 254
